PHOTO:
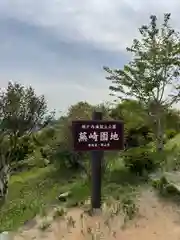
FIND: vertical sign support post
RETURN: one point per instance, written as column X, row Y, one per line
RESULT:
column 97, row 157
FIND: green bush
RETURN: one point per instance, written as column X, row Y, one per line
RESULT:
column 147, row 159
column 67, row 159
column 24, row 147
column 138, row 136
column 165, row 188
column 140, row 160
column 171, row 133
column 46, row 151
column 171, row 159
column 37, row 160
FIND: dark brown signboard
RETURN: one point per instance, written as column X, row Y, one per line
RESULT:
column 98, row 135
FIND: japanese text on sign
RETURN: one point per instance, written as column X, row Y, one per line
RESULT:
column 102, row 136
column 99, row 126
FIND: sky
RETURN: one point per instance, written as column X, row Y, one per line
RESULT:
column 59, row 47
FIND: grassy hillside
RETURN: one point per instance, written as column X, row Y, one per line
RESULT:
column 32, row 193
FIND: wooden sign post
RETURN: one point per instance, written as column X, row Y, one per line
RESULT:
column 97, row 157
column 97, row 136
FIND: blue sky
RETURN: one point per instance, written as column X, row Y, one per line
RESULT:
column 60, row 46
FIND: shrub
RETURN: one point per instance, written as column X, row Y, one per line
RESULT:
column 24, row 147
column 68, row 159
column 36, row 160
column 171, row 159
column 139, row 160
column 170, row 133
column 46, row 151
column 165, row 188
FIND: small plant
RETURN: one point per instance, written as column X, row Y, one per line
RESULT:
column 165, row 188
column 43, row 212
column 129, row 209
column 171, row 133
column 59, row 212
column 89, row 230
column 82, row 222
column 45, row 224
column 94, row 233
column 70, row 223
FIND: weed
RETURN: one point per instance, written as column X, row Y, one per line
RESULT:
column 59, row 212
column 129, row 208
column 70, row 223
column 45, row 224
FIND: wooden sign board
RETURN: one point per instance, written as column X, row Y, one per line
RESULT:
column 98, row 135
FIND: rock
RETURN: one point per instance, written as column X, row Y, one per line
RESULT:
column 6, row 236
column 170, row 180
column 30, row 224
column 63, row 197
column 46, row 162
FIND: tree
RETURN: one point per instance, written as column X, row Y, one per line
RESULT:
column 152, row 76
column 137, row 131
column 79, row 111
column 22, row 112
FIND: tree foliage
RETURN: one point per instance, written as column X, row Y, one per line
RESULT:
column 152, row 76
column 65, row 154
column 22, row 112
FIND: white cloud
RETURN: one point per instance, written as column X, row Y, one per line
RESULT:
column 108, row 25
column 104, row 23
column 60, row 95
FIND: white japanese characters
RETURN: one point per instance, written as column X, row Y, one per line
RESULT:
column 104, row 136
column 101, row 138
column 92, row 145
column 114, row 136
column 93, row 136
column 99, row 126
column 83, row 137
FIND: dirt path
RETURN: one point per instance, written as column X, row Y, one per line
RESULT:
column 157, row 220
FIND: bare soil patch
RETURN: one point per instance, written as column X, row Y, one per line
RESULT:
column 155, row 220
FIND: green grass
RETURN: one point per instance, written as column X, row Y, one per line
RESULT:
column 25, row 176
column 174, row 142
column 32, row 192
